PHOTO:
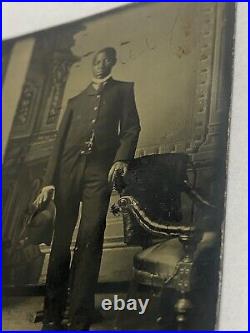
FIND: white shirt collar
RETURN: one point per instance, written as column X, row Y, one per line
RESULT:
column 99, row 81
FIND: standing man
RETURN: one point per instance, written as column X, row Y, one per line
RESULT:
column 97, row 137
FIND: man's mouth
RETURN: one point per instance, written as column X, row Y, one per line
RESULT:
column 100, row 74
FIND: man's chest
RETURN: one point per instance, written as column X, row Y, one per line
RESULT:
column 97, row 105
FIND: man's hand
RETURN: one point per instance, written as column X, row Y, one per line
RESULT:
column 46, row 193
column 118, row 167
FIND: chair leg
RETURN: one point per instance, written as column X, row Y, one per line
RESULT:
column 183, row 307
column 133, row 286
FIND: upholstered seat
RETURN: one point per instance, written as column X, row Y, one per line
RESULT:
column 158, row 263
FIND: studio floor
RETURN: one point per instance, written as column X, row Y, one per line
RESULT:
column 18, row 313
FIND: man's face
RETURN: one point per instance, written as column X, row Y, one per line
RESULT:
column 102, row 65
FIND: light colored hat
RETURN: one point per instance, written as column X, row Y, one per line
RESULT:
column 39, row 226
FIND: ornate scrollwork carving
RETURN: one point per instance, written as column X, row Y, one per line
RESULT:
column 60, row 71
column 204, row 75
column 25, row 104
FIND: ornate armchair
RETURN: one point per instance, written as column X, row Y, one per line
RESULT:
column 152, row 199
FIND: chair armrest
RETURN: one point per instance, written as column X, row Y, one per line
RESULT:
column 128, row 205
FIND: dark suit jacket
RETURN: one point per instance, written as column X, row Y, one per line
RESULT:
column 111, row 112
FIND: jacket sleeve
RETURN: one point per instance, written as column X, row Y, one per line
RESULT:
column 129, row 127
column 49, row 177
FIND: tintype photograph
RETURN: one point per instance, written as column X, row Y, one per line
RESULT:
column 115, row 173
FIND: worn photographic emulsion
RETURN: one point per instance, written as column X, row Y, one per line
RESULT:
column 115, row 170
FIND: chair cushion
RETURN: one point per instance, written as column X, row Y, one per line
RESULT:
column 160, row 260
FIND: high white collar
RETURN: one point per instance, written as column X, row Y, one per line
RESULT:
column 99, row 81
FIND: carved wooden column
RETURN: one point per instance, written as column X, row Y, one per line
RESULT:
column 34, row 127
column 59, row 70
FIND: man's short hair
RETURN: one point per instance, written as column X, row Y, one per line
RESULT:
column 111, row 53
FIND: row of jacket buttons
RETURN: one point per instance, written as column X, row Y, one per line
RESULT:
column 89, row 144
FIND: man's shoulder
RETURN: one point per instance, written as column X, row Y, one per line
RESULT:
column 75, row 97
column 124, row 86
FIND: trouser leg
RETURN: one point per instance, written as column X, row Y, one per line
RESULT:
column 68, row 196
column 59, row 263
column 88, row 252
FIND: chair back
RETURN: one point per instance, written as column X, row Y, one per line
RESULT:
column 156, row 182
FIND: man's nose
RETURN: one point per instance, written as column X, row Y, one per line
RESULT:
column 102, row 64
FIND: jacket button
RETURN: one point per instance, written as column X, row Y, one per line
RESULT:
column 98, row 96
column 93, row 121
column 95, row 108
column 82, row 152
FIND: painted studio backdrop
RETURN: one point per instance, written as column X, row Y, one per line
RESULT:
column 173, row 53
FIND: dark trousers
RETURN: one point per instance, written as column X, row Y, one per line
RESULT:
column 86, row 182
